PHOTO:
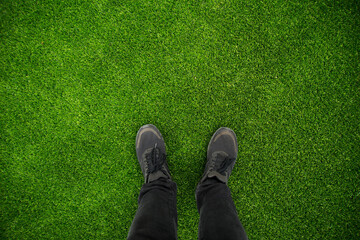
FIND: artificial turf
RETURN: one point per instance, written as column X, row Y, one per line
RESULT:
column 78, row 79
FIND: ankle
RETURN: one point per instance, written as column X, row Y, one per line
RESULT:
column 211, row 180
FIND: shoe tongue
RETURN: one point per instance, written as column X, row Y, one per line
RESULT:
column 217, row 175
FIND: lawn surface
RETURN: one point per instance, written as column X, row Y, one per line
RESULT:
column 79, row 78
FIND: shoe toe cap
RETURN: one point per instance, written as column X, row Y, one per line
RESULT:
column 147, row 137
column 224, row 139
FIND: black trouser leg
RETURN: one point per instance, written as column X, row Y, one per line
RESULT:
column 156, row 217
column 218, row 215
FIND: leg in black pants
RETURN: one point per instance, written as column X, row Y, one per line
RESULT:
column 218, row 215
column 156, row 217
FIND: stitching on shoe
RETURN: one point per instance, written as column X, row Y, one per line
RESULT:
column 223, row 133
column 148, row 129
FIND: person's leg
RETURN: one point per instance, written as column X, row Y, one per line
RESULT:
column 218, row 215
column 156, row 217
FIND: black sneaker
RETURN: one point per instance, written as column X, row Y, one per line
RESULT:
column 150, row 151
column 221, row 155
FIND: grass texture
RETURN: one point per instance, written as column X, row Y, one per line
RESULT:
column 79, row 78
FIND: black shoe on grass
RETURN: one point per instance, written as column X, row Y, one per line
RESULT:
column 150, row 151
column 221, row 155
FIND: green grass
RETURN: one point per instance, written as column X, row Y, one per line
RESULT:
column 78, row 79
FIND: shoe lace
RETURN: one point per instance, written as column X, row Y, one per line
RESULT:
column 155, row 160
column 225, row 164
